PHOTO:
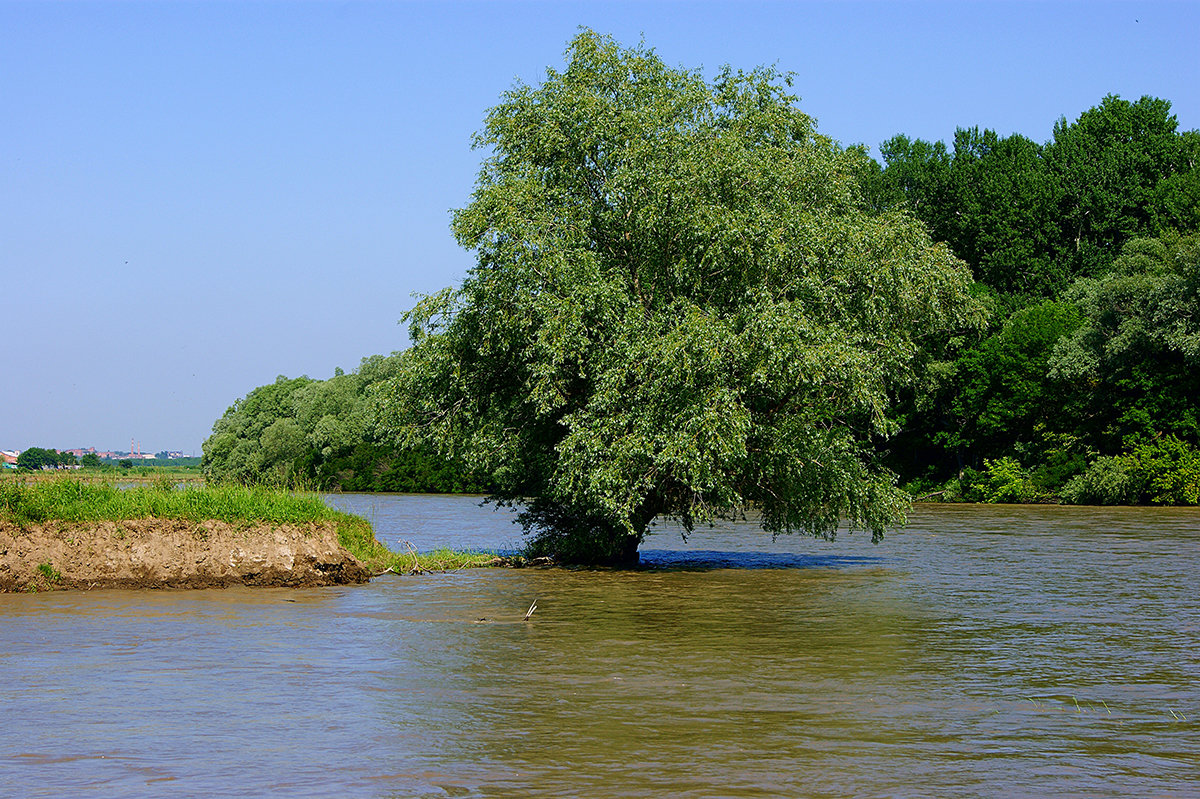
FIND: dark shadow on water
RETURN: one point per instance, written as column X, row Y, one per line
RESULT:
column 709, row 560
column 703, row 560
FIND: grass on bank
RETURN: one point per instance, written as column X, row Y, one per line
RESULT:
column 78, row 501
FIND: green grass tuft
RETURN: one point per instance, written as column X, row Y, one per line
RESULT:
column 51, row 574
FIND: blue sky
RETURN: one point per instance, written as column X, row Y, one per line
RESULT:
column 198, row 197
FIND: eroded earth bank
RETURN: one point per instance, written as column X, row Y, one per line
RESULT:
column 162, row 553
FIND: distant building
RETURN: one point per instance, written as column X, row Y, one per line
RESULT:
column 9, row 458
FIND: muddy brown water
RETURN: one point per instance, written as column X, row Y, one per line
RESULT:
column 982, row 651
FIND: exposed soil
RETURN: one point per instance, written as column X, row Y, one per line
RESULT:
column 171, row 553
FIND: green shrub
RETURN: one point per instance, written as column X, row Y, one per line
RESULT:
column 1171, row 471
column 1058, row 458
column 971, row 485
column 1004, row 480
column 1108, row 480
column 924, row 486
column 1163, row 471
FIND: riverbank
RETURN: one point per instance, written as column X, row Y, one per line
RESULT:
column 68, row 533
column 172, row 553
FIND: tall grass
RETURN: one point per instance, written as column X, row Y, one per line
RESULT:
column 71, row 500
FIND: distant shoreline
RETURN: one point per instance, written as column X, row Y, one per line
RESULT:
column 190, row 476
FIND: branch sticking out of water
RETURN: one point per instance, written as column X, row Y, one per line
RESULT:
column 412, row 551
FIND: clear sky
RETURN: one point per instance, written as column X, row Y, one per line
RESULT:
column 198, row 197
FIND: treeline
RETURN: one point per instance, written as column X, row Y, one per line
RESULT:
column 163, row 463
column 35, row 458
column 1085, row 386
column 322, row 433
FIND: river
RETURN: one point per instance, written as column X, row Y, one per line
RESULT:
column 978, row 652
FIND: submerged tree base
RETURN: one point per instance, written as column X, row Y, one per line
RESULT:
column 572, row 537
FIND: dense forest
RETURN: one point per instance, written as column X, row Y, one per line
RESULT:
column 1082, row 387
column 1086, row 248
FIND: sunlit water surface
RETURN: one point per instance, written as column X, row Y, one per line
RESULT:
column 982, row 651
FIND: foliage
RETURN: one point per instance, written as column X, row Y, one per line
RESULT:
column 1000, row 397
column 1107, row 481
column 91, row 461
column 991, row 199
column 1006, row 481
column 321, row 432
column 235, row 450
column 1137, row 351
column 1110, row 162
column 1170, row 470
column 686, row 301
column 1059, row 457
column 372, row 466
column 1164, row 471
column 967, row 487
column 1086, row 246
column 50, row 574
column 40, row 458
column 1029, row 218
column 682, row 304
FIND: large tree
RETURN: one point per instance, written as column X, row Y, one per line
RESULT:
column 41, row 458
column 681, row 305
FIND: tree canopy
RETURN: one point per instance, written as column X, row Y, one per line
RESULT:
column 682, row 304
column 42, row 458
column 688, row 302
column 1029, row 218
column 1138, row 349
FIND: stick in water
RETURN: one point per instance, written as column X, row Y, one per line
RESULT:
column 532, row 608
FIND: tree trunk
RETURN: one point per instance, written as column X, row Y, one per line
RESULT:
column 626, row 553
